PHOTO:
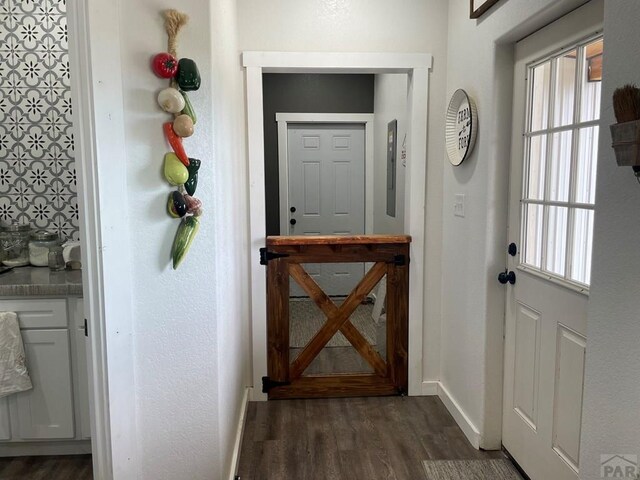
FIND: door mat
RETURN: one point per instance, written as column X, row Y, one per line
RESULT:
column 493, row 469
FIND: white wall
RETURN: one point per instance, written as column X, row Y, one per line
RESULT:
column 480, row 61
column 611, row 424
column 416, row 26
column 390, row 103
column 190, row 325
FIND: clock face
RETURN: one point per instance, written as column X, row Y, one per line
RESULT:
column 461, row 127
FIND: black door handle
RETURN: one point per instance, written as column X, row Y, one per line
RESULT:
column 293, row 221
column 507, row 276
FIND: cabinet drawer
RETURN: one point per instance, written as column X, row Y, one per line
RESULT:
column 42, row 313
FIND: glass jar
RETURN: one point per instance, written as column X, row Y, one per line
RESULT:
column 56, row 260
column 14, row 244
column 39, row 246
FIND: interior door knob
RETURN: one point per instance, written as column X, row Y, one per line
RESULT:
column 293, row 221
column 507, row 276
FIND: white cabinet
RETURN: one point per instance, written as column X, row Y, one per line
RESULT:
column 76, row 315
column 46, row 411
column 55, row 413
column 5, row 427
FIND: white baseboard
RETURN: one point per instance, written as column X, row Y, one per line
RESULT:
column 461, row 418
column 237, row 445
column 430, row 388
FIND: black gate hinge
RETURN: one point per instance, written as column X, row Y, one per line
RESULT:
column 86, row 328
column 268, row 384
column 266, row 255
column 399, row 260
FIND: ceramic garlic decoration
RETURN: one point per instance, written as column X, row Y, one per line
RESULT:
column 179, row 170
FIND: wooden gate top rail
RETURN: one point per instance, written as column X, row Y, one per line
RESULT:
column 337, row 240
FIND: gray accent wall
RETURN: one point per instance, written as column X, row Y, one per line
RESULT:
column 37, row 166
column 305, row 93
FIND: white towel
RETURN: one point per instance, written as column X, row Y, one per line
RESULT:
column 14, row 376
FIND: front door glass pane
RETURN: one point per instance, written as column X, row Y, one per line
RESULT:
column 561, row 147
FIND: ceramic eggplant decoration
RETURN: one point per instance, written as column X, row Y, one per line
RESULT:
column 177, row 204
column 179, row 170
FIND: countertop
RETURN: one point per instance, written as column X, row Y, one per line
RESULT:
column 40, row 281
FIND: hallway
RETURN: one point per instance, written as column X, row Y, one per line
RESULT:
column 359, row 438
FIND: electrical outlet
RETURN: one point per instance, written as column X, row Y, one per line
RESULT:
column 458, row 206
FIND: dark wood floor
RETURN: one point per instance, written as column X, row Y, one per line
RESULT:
column 68, row 467
column 351, row 438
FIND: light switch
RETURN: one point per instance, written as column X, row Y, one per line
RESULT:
column 458, row 206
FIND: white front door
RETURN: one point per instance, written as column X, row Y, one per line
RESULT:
column 326, row 194
column 552, row 196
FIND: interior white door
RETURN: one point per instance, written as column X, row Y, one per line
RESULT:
column 326, row 172
column 552, row 194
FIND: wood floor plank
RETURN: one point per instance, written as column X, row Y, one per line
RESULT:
column 373, row 438
column 67, row 467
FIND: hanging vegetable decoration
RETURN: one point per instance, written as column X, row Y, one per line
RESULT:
column 179, row 170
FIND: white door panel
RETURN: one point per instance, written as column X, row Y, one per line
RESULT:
column 546, row 311
column 326, row 165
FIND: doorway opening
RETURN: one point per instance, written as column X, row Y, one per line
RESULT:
column 416, row 68
column 49, row 415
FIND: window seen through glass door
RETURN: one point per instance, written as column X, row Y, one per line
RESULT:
column 561, row 146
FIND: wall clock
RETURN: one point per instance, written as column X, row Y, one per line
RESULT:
column 461, row 127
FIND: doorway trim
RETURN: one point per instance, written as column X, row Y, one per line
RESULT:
column 366, row 119
column 417, row 67
column 100, row 160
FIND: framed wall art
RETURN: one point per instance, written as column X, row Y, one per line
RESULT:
column 479, row 7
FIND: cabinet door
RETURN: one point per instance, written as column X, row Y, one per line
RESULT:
column 46, row 411
column 76, row 310
column 5, row 426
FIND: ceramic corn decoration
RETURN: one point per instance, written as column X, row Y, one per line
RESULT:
column 179, row 170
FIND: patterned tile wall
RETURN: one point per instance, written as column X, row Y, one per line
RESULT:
column 37, row 166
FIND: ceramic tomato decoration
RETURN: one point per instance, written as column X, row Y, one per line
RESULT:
column 165, row 65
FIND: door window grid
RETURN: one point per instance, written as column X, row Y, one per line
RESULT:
column 561, row 141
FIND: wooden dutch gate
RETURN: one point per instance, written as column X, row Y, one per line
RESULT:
column 284, row 256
